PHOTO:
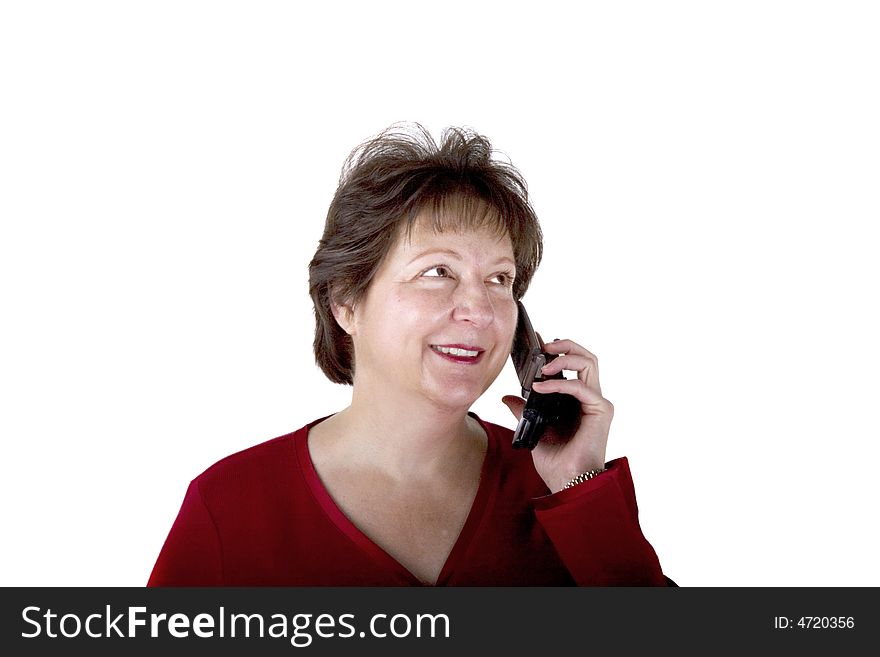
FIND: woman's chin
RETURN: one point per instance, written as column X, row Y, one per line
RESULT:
column 455, row 398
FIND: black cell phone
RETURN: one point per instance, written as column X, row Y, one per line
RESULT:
column 541, row 410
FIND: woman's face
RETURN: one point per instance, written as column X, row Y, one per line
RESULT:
column 436, row 292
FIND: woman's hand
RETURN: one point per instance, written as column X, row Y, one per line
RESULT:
column 559, row 458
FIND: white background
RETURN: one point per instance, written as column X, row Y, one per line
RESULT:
column 706, row 175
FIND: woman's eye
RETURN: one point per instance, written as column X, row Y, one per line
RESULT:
column 506, row 278
column 442, row 271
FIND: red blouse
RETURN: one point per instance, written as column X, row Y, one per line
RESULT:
column 262, row 517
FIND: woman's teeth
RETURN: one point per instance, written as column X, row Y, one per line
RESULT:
column 455, row 351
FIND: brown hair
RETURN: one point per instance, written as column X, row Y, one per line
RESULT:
column 386, row 182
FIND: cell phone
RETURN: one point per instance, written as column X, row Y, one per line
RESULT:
column 541, row 410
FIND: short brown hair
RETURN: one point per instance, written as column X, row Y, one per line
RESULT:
column 386, row 182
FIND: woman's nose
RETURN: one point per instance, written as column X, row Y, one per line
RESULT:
column 472, row 302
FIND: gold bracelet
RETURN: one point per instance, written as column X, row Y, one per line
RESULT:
column 583, row 476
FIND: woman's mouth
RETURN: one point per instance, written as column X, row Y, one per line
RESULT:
column 458, row 353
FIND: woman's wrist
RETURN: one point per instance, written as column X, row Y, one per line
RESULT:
column 577, row 475
column 582, row 477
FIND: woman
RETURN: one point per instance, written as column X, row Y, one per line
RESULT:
column 415, row 283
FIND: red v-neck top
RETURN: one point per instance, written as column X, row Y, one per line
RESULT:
column 262, row 517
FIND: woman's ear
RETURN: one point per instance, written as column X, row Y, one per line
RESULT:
column 344, row 315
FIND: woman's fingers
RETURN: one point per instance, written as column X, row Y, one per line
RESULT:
column 570, row 362
column 565, row 347
column 515, row 404
column 580, row 361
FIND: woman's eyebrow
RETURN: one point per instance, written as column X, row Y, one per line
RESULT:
column 455, row 254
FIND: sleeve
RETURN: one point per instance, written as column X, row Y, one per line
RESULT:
column 594, row 527
column 191, row 555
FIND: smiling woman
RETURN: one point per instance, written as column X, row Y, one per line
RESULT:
column 426, row 250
